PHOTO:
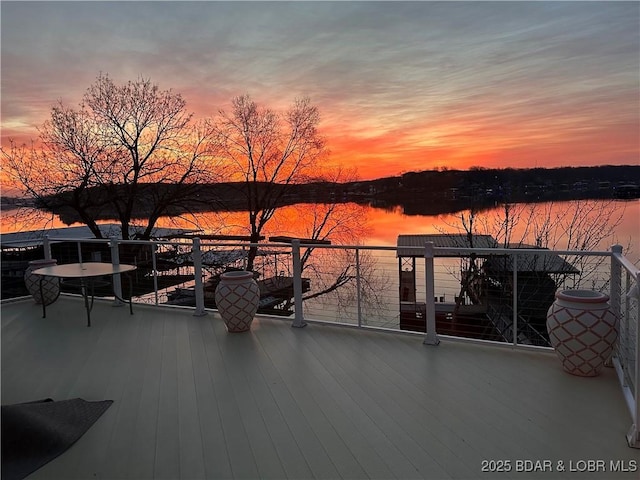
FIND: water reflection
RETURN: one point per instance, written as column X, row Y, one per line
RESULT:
column 384, row 226
column 352, row 224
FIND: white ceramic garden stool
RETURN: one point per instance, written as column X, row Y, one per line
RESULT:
column 582, row 330
column 237, row 297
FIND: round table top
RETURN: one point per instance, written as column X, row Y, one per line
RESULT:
column 85, row 269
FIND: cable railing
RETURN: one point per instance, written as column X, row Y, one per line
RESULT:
column 625, row 301
column 500, row 292
column 494, row 295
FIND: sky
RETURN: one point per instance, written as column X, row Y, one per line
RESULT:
column 401, row 86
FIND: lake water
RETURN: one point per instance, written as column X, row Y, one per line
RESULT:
column 353, row 224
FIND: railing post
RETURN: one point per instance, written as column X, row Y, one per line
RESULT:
column 358, row 287
column 154, row 263
column 431, row 338
column 633, row 436
column 115, row 261
column 298, row 320
column 515, row 299
column 46, row 245
column 615, row 290
column 196, row 254
column 615, row 303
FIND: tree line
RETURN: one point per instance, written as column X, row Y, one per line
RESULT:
column 447, row 191
column 450, row 191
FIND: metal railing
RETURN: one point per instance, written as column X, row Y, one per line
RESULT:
column 366, row 287
column 625, row 302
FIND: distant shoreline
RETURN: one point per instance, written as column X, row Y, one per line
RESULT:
column 417, row 193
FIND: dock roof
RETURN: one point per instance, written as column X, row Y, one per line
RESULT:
column 547, row 261
column 33, row 238
column 413, row 245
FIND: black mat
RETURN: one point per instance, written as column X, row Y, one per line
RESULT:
column 37, row 432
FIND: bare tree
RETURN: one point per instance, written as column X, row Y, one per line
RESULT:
column 471, row 272
column 268, row 152
column 52, row 184
column 129, row 151
column 577, row 226
column 337, row 222
column 334, row 272
column 580, row 226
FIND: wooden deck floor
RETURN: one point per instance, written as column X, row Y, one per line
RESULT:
column 192, row 401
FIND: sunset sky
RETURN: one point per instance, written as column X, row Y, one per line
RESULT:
column 400, row 86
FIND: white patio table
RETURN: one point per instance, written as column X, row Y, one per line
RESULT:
column 88, row 274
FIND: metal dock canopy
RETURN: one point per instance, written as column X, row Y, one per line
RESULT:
column 413, row 245
column 543, row 263
column 34, row 238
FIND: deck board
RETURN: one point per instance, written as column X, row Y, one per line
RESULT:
column 190, row 443
column 167, row 456
column 145, row 406
column 214, row 449
column 192, row 401
column 353, row 370
column 136, row 343
column 268, row 384
column 299, row 421
column 409, row 416
column 240, row 357
column 312, row 405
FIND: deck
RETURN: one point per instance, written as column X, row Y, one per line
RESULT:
column 192, row 401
